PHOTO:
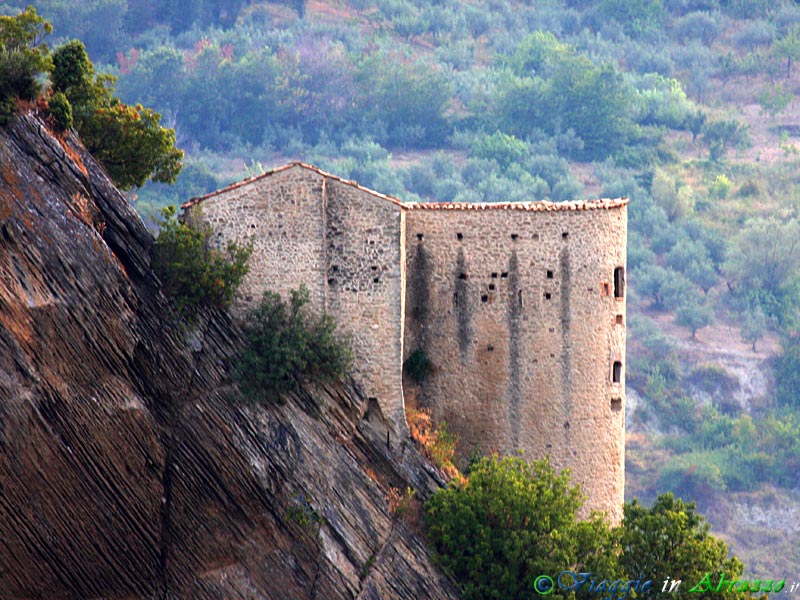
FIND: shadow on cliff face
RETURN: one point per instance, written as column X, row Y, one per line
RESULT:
column 125, row 471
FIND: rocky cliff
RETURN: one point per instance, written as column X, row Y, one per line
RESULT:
column 125, row 469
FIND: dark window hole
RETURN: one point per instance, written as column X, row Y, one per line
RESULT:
column 462, row 276
column 504, row 275
column 419, row 236
column 460, row 236
column 616, row 404
column 619, row 282
column 616, row 374
column 494, row 275
column 484, row 298
column 547, row 296
column 565, row 235
column 376, row 280
column 514, row 236
column 490, row 348
column 549, row 274
column 491, row 287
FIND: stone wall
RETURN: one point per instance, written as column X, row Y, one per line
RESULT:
column 281, row 215
column 517, row 312
column 365, row 289
column 345, row 243
column 516, row 305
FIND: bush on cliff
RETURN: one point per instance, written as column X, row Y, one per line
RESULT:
column 288, row 346
column 510, row 530
column 194, row 272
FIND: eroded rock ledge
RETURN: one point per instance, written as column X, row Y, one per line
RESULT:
column 125, row 471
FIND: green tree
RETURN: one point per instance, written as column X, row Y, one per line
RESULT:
column 694, row 315
column 193, row 271
column 23, row 56
column 671, row 537
column 128, row 140
column 286, row 346
column 510, row 522
column 763, row 265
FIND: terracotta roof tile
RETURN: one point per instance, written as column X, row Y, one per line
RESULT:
column 538, row 206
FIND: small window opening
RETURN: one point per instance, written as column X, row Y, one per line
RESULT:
column 460, row 236
column 606, row 289
column 535, row 237
column 514, row 236
column 334, row 268
column 519, row 297
column 455, row 298
column 566, row 424
column 485, row 298
column 419, row 236
column 374, row 267
column 619, row 282
column 491, row 287
column 490, row 348
column 618, row 320
column 616, row 404
column 331, row 281
column 252, row 225
column 549, row 274
column 462, row 276
column 494, row 275
column 565, row 235
column 552, row 330
column 616, row 375
column 376, row 280
column 504, row 274
column 547, row 296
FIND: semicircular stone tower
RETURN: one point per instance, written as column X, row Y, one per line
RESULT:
column 519, row 307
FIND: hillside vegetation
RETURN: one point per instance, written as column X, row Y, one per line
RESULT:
column 685, row 106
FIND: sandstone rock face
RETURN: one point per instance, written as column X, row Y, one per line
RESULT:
column 125, row 469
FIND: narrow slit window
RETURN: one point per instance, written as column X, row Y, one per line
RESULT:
column 549, row 274
column 547, row 296
column 619, row 282
column 616, row 374
column 519, row 297
column 460, row 236
column 420, row 236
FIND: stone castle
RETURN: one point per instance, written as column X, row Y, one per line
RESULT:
column 519, row 307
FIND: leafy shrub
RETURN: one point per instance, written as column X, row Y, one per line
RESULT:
column 417, row 366
column 437, row 443
column 287, row 346
column 61, row 111
column 511, row 522
column 193, row 272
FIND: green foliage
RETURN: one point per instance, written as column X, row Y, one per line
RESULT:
column 23, row 57
column 510, row 522
column 787, row 372
column 670, row 537
column 61, row 111
column 128, row 140
column 195, row 273
column 694, row 315
column 417, row 366
column 505, row 149
column 287, row 346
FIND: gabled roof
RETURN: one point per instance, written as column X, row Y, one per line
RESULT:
column 286, row 167
column 537, row 206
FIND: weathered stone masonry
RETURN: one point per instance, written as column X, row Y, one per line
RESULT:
column 520, row 307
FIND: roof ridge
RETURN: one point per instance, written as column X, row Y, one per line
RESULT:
column 530, row 205
column 286, row 167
